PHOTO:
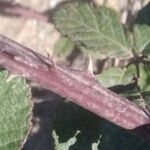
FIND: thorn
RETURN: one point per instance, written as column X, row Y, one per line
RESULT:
column 10, row 77
column 50, row 59
column 90, row 66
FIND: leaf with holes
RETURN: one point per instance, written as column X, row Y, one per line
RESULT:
column 94, row 29
column 14, row 111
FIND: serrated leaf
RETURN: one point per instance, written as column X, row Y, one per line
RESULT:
column 14, row 111
column 64, row 47
column 142, row 30
column 96, row 29
column 116, row 76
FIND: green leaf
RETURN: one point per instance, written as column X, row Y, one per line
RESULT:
column 95, row 29
column 14, row 111
column 142, row 37
column 146, row 51
column 144, row 85
column 142, row 30
column 144, row 80
column 116, row 76
column 64, row 47
column 119, row 81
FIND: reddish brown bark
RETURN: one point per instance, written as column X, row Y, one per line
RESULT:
column 80, row 87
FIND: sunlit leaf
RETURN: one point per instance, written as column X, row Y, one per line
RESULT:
column 116, row 76
column 14, row 111
column 95, row 29
column 64, row 47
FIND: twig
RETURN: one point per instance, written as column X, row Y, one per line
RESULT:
column 11, row 9
column 80, row 87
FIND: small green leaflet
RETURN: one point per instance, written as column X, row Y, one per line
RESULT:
column 14, row 111
column 95, row 29
column 64, row 47
column 116, row 76
column 119, row 81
